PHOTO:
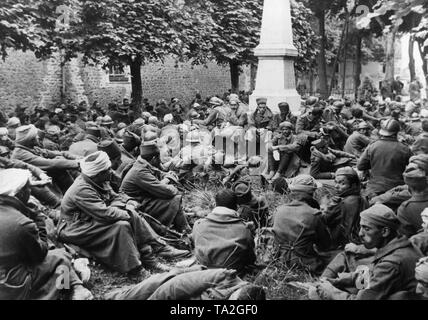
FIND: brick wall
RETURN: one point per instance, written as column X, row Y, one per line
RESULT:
column 27, row 81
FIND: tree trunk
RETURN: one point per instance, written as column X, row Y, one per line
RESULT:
column 322, row 65
column 253, row 76
column 136, row 84
column 336, row 59
column 390, row 68
column 357, row 74
column 412, row 59
column 234, row 75
column 424, row 64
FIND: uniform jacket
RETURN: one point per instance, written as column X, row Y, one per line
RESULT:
column 305, row 125
column 356, row 143
column 31, row 156
column 157, row 199
column 262, row 121
column 223, row 240
column 386, row 159
column 409, row 214
column 392, row 271
column 298, row 228
column 421, row 143
column 343, row 216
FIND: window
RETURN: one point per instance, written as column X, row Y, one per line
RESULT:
column 118, row 74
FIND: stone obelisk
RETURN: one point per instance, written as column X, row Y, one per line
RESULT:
column 275, row 78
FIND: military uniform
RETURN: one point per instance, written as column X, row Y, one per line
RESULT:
column 392, row 272
column 299, row 227
column 223, row 240
column 409, row 214
column 356, row 143
column 386, row 159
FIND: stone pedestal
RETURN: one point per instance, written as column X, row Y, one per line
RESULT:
column 275, row 73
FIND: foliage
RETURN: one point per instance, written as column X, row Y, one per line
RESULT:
column 20, row 26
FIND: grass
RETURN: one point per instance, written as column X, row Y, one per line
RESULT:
column 198, row 203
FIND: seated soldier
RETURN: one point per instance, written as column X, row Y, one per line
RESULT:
column 421, row 143
column 325, row 161
column 222, row 239
column 358, row 140
column 283, row 152
column 251, row 208
column 114, row 234
column 392, row 270
column 54, row 163
column 420, row 240
column 193, row 284
column 409, row 213
column 28, row 269
column 88, row 144
column 343, row 212
column 299, row 228
column 145, row 183
column 120, row 162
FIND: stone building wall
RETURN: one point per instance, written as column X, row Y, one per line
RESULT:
column 30, row 82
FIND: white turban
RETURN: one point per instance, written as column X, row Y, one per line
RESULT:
column 4, row 132
column 26, row 133
column 168, row 117
column 95, row 163
column 13, row 180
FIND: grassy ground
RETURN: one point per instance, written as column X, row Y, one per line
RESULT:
column 199, row 202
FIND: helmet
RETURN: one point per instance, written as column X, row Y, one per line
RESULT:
column 389, row 127
column 338, row 104
column 363, row 125
column 311, row 101
column 107, row 120
column 216, row 101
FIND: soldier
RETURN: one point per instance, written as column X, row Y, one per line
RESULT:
column 51, row 139
column 409, row 213
column 342, row 215
column 358, row 140
column 283, row 152
column 386, row 159
column 325, row 161
column 298, row 227
column 392, row 270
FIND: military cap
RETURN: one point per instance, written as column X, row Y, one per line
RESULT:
column 389, row 128
column 111, row 148
column 421, row 161
column 346, row 171
column 338, row 104
column 94, row 130
column 363, row 125
column 139, row 122
column 380, row 215
column 13, row 122
column 283, row 105
column 414, row 176
column 320, row 143
column 242, row 190
column 304, row 183
column 286, row 124
column 261, row 100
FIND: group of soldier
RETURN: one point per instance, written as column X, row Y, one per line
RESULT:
column 107, row 183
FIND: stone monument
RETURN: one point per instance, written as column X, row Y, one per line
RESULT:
column 275, row 78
